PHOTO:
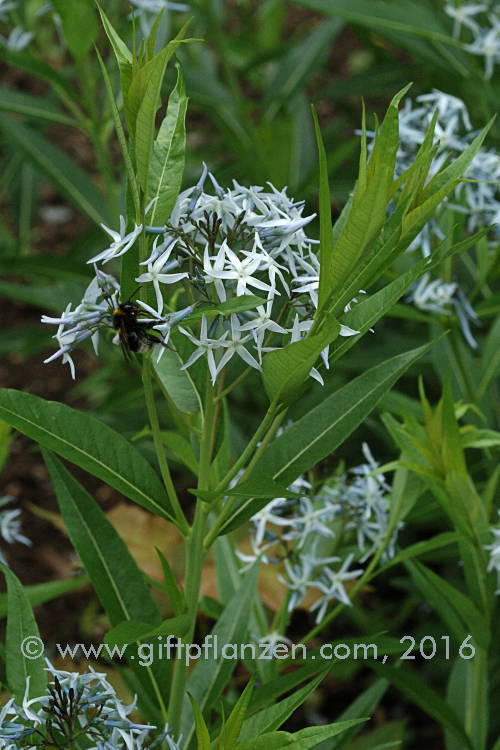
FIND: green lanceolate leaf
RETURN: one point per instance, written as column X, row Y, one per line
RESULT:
column 167, row 159
column 368, row 310
column 142, row 104
column 122, row 53
column 40, row 593
column 79, row 25
column 274, row 716
column 33, row 106
column 414, row 688
column 405, row 17
column 458, row 612
column 231, row 728
column 64, row 173
column 132, row 182
column 236, row 305
column 177, row 383
column 368, row 210
column 88, row 443
column 325, row 219
column 176, row 594
column 209, row 676
column 302, row 740
column 284, row 371
column 22, row 638
column 324, row 428
column 202, row 734
column 118, row 582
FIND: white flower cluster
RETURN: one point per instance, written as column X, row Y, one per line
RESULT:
column 478, row 200
column 10, row 525
column 480, row 24
column 494, row 550
column 220, row 245
column 77, row 704
column 18, row 38
column 147, row 11
column 440, row 297
column 350, row 509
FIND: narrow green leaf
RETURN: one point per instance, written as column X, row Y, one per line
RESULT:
column 22, row 637
column 202, row 735
column 25, row 60
column 275, row 715
column 64, row 173
column 143, row 102
column 132, row 182
column 414, row 688
column 114, row 573
column 122, row 54
column 118, row 582
column 236, row 305
column 455, row 608
column 231, row 728
column 130, row 631
column 88, row 443
column 325, row 427
column 302, row 740
column 33, row 106
column 176, row 595
column 181, row 448
column 421, row 548
column 325, row 219
column 209, row 676
column 79, row 25
column 285, row 370
column 167, row 159
column 178, row 383
column 41, row 593
column 405, row 17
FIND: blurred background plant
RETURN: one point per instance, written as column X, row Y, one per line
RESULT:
column 250, row 84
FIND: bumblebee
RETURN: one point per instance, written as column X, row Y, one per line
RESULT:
column 134, row 334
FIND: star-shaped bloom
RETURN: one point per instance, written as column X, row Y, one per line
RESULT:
column 487, row 43
column 235, row 344
column 241, row 271
column 156, row 273
column 261, row 323
column 332, row 586
column 213, row 269
column 463, row 16
column 121, row 242
column 204, row 345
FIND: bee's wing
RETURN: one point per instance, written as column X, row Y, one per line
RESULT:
column 124, row 344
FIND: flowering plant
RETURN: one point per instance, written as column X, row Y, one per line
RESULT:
column 210, row 289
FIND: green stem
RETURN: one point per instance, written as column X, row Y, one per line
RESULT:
column 194, row 558
column 464, row 372
column 160, row 451
column 226, row 510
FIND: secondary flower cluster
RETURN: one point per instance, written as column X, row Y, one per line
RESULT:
column 349, row 512
column 478, row 201
column 480, row 24
column 440, row 297
column 77, row 707
column 10, row 525
column 218, row 246
column 494, row 550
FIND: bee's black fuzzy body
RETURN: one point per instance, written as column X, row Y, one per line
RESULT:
column 134, row 335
